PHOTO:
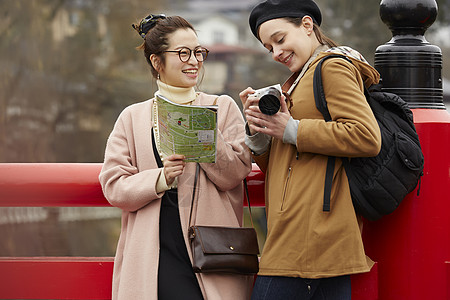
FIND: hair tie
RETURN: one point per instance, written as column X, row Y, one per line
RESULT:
column 147, row 23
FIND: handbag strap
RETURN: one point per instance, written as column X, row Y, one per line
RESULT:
column 197, row 171
column 248, row 201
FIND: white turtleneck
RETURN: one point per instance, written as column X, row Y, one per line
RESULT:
column 181, row 96
column 178, row 95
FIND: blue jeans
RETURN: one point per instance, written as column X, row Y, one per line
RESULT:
column 290, row 288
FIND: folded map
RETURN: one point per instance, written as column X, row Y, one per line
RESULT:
column 190, row 130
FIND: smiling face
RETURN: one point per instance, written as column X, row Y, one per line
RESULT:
column 175, row 72
column 289, row 44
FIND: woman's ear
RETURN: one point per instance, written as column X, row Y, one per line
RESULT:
column 308, row 23
column 155, row 62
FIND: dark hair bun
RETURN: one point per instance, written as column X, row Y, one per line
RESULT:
column 147, row 23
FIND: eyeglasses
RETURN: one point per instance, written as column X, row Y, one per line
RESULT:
column 184, row 53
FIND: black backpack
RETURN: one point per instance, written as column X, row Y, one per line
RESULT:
column 378, row 184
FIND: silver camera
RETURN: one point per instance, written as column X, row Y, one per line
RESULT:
column 269, row 99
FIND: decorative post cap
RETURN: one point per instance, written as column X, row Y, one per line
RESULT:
column 408, row 16
column 410, row 66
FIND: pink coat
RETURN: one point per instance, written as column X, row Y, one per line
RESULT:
column 129, row 177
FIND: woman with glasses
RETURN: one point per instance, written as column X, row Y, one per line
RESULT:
column 153, row 258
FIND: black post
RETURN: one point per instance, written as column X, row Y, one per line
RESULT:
column 408, row 64
column 412, row 245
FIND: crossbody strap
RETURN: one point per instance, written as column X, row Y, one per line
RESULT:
column 248, row 201
column 194, row 190
column 197, row 171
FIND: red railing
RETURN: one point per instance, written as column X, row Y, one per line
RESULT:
column 74, row 185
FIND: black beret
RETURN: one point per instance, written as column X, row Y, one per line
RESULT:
column 274, row 9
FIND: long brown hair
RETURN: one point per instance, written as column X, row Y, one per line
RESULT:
column 156, row 39
column 321, row 37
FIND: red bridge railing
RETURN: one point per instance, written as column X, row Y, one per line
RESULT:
column 75, row 185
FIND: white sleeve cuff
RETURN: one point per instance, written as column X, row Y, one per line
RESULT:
column 290, row 132
column 258, row 143
column 161, row 184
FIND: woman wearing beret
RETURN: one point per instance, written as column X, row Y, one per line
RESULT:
column 153, row 258
column 309, row 253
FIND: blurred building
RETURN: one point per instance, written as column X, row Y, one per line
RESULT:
column 223, row 28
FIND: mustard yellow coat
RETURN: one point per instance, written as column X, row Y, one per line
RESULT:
column 303, row 240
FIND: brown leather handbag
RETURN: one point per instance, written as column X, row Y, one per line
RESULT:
column 218, row 249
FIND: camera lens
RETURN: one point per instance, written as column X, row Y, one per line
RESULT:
column 269, row 102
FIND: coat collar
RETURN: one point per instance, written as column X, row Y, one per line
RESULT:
column 294, row 79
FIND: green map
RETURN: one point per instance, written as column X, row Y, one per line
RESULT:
column 189, row 130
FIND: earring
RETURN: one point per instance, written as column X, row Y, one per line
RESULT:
column 158, row 77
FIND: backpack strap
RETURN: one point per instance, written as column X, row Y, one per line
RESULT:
column 319, row 93
column 321, row 105
column 328, row 183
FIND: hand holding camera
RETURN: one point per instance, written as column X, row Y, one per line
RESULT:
column 269, row 99
column 265, row 110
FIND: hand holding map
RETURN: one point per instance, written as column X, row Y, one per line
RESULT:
column 190, row 130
